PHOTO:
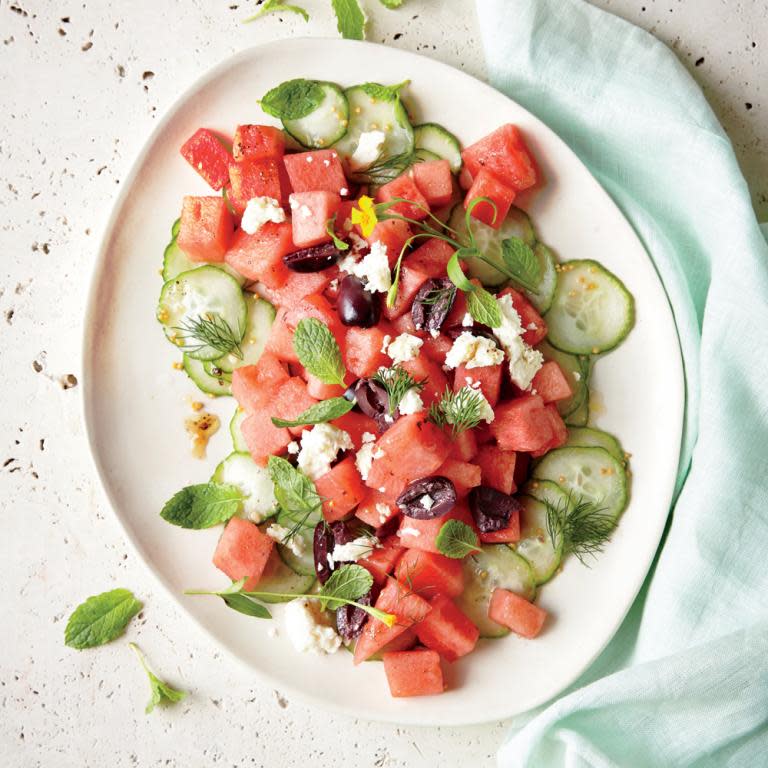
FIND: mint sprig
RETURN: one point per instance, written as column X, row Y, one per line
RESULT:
column 293, row 99
column 202, row 506
column 483, row 307
column 101, row 619
column 522, row 263
column 319, row 413
column 383, row 92
column 349, row 582
column 161, row 692
column 456, row 540
column 318, row 351
column 350, row 19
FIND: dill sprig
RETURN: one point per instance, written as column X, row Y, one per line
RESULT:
column 385, row 168
column 582, row 527
column 210, row 330
column 462, row 409
column 438, row 295
column 396, row 382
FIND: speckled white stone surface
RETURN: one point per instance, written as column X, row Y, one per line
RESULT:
column 82, row 84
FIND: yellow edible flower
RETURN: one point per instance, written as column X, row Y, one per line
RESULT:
column 365, row 215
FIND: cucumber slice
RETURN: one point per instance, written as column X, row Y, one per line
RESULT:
column 238, row 441
column 587, row 437
column 580, row 417
column 439, row 141
column 206, row 292
column 175, row 261
column 261, row 315
column 368, row 113
column 592, row 310
column 175, row 227
column 303, row 564
column 544, row 295
column 488, row 239
column 497, row 565
column 545, row 490
column 591, row 474
column 280, row 578
column 211, row 385
column 240, row 470
column 324, row 125
column 576, row 371
column 424, row 155
column 535, row 544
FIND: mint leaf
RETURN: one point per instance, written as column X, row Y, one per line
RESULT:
column 101, row 618
column 483, row 308
column 456, row 275
column 294, row 491
column 245, row 605
column 391, row 3
column 293, row 99
column 277, row 6
column 521, row 262
column 318, row 351
column 161, row 692
column 457, row 540
column 202, row 506
column 350, row 19
column 326, row 410
column 330, row 228
column 383, row 92
column 350, row 582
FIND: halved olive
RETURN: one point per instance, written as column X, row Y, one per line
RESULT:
column 491, row 509
column 427, row 498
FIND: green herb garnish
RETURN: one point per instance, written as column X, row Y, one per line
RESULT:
column 318, row 351
column 457, row 540
column 161, row 692
column 383, row 92
column 462, row 410
column 330, row 228
column 581, row 527
column 396, row 381
column 212, row 331
column 278, row 6
column 202, row 506
column 522, row 263
column 293, row 99
column 319, row 413
column 350, row 19
column 296, row 494
column 101, row 618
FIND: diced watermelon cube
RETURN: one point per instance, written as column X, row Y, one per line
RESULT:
column 404, row 187
column 522, row 468
column 260, row 256
column 522, row 424
column 341, row 490
column 431, row 257
column 488, row 376
column 505, row 154
column 291, row 399
column 458, row 310
column 392, row 233
column 253, row 385
column 516, row 613
column 413, row 673
column 206, row 153
column 430, row 573
column 343, row 223
column 377, row 509
column 559, row 432
column 408, row 608
column 447, row 630
column 319, row 170
column 363, row 354
column 465, row 178
column 464, row 475
column 254, row 178
column 356, row 424
column 551, row 384
column 310, row 212
column 383, row 559
column 243, row 551
column 263, row 438
column 430, row 372
column 498, row 468
column 421, row 534
column 532, row 321
column 434, row 180
column 487, row 185
column 384, row 480
column 435, row 348
column 299, row 285
column 258, row 142
column 403, row 642
column 464, row 446
column 205, row 230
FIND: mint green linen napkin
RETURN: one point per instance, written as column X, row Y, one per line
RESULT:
column 685, row 681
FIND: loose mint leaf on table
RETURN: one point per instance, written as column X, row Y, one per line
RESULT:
column 319, row 413
column 293, row 99
column 350, row 19
column 202, row 506
column 350, row 582
column 383, row 92
column 483, row 308
column 318, row 351
column 457, row 540
column 277, row 6
column 101, row 618
column 521, row 262
column 161, row 691
column 391, row 3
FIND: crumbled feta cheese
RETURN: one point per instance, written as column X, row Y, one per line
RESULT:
column 364, row 459
column 282, row 535
column 353, row 550
column 410, row 402
column 373, row 269
column 293, row 203
column 309, row 629
column 293, row 447
column 310, row 158
column 329, row 559
column 576, row 376
column 368, row 149
column 319, row 448
column 473, row 351
column 409, row 532
column 358, row 243
column 256, row 486
column 467, row 321
column 385, row 343
column 343, row 191
column 259, row 211
column 434, row 333
column 404, row 348
column 368, row 437
column 511, row 326
column 427, row 501
column 524, row 361
column 383, row 511
column 334, row 284
column 347, row 264
column 305, row 211
column 531, row 326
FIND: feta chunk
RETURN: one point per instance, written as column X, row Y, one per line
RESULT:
column 411, row 402
column 319, row 448
column 259, row 211
column 353, row 550
column 309, row 629
column 365, row 456
column 404, row 348
column 473, row 351
column 384, row 512
column 407, row 531
column 368, row 149
column 373, row 269
column 524, row 361
column 486, row 411
column 427, row 501
column 385, row 343
column 256, row 486
column 467, row 321
column 293, row 448
column 282, row 535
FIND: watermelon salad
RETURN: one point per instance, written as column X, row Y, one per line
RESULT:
column 412, row 459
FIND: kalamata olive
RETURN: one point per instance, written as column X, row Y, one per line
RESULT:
column 373, row 401
column 326, row 537
column 491, row 509
column 350, row 619
column 427, row 498
column 432, row 303
column 314, row 259
column 355, row 305
column 476, row 329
